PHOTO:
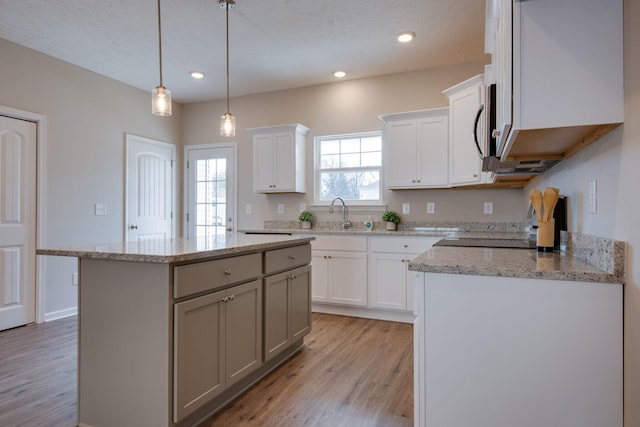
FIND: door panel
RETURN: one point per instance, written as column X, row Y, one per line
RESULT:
column 17, row 222
column 150, row 178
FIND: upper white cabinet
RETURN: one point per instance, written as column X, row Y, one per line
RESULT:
column 279, row 159
column 559, row 73
column 415, row 146
column 465, row 101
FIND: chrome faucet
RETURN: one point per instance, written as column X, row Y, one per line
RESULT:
column 345, row 222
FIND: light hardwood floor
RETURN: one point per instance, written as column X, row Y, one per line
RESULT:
column 353, row 372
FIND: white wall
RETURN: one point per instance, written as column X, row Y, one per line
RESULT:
column 87, row 118
column 345, row 107
column 614, row 163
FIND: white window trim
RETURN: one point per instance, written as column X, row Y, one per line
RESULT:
column 354, row 205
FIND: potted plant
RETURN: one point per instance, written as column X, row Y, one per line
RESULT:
column 307, row 218
column 392, row 219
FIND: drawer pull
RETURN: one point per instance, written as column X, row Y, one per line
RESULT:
column 227, row 272
column 292, row 257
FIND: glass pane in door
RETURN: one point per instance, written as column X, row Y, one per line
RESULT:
column 211, row 199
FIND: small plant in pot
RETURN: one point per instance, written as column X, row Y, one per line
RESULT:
column 306, row 218
column 392, row 219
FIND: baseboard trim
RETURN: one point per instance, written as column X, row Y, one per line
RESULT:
column 60, row 314
column 367, row 313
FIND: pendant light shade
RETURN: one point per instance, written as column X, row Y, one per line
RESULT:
column 160, row 96
column 227, row 121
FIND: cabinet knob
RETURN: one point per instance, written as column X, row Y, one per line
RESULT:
column 419, row 181
column 227, row 272
column 406, row 246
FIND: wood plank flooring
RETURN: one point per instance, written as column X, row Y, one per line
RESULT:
column 353, row 372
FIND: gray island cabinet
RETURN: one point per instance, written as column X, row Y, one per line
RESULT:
column 171, row 330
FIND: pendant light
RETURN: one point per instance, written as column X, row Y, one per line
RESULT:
column 227, row 121
column 160, row 96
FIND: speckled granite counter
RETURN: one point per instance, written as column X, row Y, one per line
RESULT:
column 179, row 250
column 587, row 259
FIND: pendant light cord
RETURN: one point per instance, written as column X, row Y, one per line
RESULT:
column 160, row 42
column 227, row 15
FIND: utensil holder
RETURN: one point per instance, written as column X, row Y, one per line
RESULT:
column 546, row 234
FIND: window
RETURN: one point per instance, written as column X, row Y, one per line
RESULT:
column 348, row 166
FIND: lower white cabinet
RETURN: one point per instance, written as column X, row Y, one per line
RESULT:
column 339, row 270
column 287, row 301
column 390, row 282
column 498, row 351
column 217, row 342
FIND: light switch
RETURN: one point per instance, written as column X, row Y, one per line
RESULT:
column 280, row 208
column 488, row 208
column 593, row 197
column 248, row 209
column 431, row 208
column 406, row 208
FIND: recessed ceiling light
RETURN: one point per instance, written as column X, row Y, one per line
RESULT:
column 406, row 36
column 339, row 74
column 197, row 74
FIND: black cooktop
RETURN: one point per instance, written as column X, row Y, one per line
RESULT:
column 488, row 243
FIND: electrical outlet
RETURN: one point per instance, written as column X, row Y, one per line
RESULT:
column 593, row 197
column 248, row 209
column 431, row 208
column 406, row 208
column 302, row 207
column 488, row 208
column 280, row 208
column 100, row 209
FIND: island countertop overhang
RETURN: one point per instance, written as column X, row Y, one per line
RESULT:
column 171, row 251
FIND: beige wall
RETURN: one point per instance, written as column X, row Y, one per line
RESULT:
column 344, row 107
column 614, row 163
column 87, row 118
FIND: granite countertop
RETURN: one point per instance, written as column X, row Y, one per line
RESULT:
column 522, row 263
column 179, row 250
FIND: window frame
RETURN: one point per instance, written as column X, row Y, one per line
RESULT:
column 317, row 170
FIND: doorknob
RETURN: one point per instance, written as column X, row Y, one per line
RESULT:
column 133, row 227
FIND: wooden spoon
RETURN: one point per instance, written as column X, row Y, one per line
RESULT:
column 536, row 201
column 549, row 200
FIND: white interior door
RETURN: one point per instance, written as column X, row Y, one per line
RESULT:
column 211, row 191
column 17, row 222
column 150, row 189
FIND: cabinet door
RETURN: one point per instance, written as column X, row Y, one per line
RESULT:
column 433, row 151
column 320, row 276
column 287, row 304
column 263, row 163
column 300, row 302
column 199, row 337
column 388, row 276
column 277, row 310
column 400, row 154
column 348, row 278
column 243, row 343
column 464, row 163
column 284, row 172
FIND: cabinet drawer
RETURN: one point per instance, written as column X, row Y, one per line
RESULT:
column 286, row 258
column 204, row 276
column 340, row 243
column 401, row 244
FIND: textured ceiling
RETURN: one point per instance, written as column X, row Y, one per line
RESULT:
column 274, row 44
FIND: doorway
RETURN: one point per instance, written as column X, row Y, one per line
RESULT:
column 210, row 204
column 18, row 221
column 149, row 189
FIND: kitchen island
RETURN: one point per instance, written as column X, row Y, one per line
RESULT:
column 171, row 330
column 508, row 337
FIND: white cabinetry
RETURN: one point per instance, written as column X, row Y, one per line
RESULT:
column 339, row 274
column 497, row 351
column 416, row 149
column 465, row 101
column 279, row 159
column 559, row 71
column 390, row 284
